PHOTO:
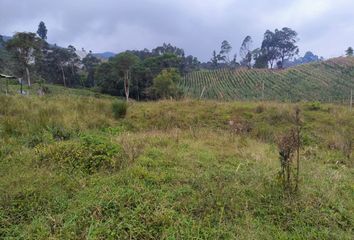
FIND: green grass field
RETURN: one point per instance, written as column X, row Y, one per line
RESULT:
column 328, row 81
column 169, row 170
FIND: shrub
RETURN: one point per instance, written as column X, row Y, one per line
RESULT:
column 260, row 109
column 46, row 90
column 88, row 156
column 289, row 144
column 60, row 133
column 119, row 109
column 313, row 106
column 40, row 137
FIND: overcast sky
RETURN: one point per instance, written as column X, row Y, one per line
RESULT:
column 325, row 27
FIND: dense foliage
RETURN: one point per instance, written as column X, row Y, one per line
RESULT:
column 165, row 85
column 142, row 71
column 129, row 74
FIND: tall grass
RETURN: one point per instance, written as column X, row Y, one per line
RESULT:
column 168, row 170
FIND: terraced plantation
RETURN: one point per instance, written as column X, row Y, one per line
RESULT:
column 326, row 81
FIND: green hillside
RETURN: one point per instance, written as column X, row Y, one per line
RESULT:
column 328, row 81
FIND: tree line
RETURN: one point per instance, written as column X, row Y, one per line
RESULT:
column 278, row 47
column 138, row 74
column 134, row 74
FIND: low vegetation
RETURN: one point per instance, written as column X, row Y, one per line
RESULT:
column 119, row 109
column 189, row 169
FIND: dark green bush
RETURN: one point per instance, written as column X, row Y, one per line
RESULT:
column 119, row 109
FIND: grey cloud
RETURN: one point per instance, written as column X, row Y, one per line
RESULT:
column 198, row 26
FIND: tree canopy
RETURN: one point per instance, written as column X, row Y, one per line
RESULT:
column 349, row 52
column 165, row 84
column 25, row 47
column 245, row 52
column 279, row 45
column 42, row 31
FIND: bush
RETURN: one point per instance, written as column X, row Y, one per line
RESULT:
column 313, row 106
column 288, row 143
column 46, row 90
column 60, row 133
column 119, row 109
column 87, row 156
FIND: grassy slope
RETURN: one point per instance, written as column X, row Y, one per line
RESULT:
column 325, row 81
column 169, row 170
column 14, row 88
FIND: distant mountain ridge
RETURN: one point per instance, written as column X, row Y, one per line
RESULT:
column 104, row 55
column 5, row 38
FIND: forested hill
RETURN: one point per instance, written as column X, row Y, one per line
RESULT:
column 329, row 80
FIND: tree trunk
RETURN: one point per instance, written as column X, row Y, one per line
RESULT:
column 62, row 71
column 28, row 77
column 21, row 87
column 72, row 75
column 126, row 84
column 138, row 92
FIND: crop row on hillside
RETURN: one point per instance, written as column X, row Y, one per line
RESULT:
column 325, row 81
